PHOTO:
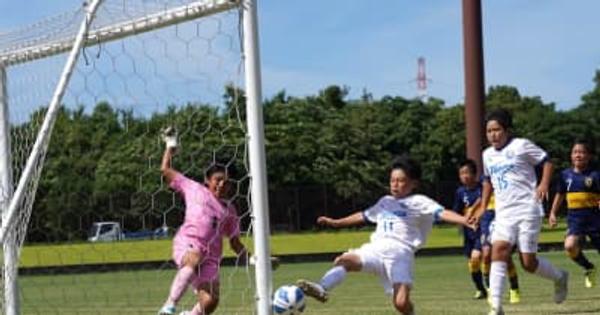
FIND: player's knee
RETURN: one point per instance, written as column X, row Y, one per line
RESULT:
column 529, row 264
column 572, row 249
column 210, row 304
column 402, row 304
column 191, row 259
column 474, row 265
column 529, row 268
column 500, row 252
column 349, row 262
column 572, row 252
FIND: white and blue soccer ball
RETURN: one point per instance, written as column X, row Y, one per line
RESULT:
column 288, row 300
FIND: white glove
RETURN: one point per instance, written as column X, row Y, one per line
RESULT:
column 169, row 136
column 275, row 262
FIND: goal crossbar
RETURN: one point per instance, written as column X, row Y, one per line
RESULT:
column 118, row 30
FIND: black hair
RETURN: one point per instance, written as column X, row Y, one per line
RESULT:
column 217, row 167
column 470, row 164
column 410, row 167
column 214, row 168
column 501, row 116
column 589, row 147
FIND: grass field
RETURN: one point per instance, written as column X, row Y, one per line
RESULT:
column 442, row 287
column 281, row 244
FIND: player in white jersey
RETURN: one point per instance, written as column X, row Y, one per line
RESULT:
column 509, row 169
column 404, row 220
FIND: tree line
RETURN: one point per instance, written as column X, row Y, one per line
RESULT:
column 103, row 164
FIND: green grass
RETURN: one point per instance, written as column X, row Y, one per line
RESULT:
column 442, row 286
column 281, row 244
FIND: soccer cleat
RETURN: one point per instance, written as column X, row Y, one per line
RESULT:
column 590, row 278
column 167, row 309
column 496, row 311
column 515, row 296
column 313, row 289
column 561, row 287
column 480, row 295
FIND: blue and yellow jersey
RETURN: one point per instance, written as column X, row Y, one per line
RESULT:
column 465, row 198
column 492, row 203
column 582, row 190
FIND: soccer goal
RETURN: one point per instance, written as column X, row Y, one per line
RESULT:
column 86, row 216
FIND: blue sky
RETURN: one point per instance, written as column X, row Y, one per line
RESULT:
column 547, row 48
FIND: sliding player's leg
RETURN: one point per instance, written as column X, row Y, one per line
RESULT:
column 349, row 261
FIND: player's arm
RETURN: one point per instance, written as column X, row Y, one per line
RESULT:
column 354, row 219
column 558, row 200
column 244, row 256
column 473, row 210
column 237, row 246
column 169, row 136
column 543, row 187
column 452, row 217
column 486, row 193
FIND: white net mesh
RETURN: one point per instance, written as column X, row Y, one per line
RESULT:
column 136, row 75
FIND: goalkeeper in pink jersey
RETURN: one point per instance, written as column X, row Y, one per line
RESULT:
column 197, row 246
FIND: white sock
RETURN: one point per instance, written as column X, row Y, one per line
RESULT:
column 497, row 276
column 333, row 277
column 546, row 270
column 180, row 284
column 197, row 310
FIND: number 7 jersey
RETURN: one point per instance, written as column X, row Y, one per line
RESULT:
column 402, row 221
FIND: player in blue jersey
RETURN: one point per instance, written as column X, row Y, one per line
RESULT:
column 466, row 199
column 404, row 220
column 477, row 245
column 580, row 185
column 486, row 253
column 509, row 168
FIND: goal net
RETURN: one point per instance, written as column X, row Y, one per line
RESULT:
column 87, row 217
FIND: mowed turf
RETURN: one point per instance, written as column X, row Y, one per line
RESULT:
column 442, row 287
column 281, row 244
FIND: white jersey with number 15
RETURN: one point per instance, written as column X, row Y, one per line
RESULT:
column 511, row 170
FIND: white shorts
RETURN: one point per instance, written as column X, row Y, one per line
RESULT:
column 524, row 232
column 390, row 269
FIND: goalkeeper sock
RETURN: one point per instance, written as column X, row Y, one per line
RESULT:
column 180, row 284
column 497, row 275
column 333, row 277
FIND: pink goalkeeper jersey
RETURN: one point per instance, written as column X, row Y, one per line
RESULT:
column 207, row 218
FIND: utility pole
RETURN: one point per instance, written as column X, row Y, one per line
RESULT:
column 474, row 78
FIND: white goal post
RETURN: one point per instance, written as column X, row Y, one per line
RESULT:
column 89, row 34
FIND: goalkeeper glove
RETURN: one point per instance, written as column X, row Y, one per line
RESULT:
column 169, row 136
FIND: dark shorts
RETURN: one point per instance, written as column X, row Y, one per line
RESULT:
column 484, row 224
column 471, row 240
column 585, row 223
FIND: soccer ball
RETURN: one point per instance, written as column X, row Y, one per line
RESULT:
column 288, row 300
